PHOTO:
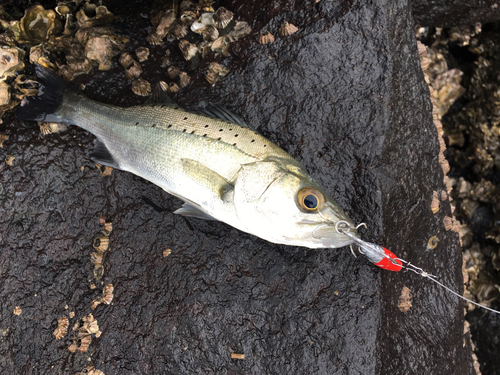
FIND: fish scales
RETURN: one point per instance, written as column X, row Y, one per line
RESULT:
column 174, row 133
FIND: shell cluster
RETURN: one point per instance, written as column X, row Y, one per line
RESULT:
column 83, row 332
column 72, row 39
column 471, row 142
column 199, row 31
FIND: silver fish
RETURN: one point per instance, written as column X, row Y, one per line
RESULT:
column 222, row 169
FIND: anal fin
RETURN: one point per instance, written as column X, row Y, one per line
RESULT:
column 102, row 155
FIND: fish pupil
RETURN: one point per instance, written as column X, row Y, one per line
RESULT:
column 311, row 201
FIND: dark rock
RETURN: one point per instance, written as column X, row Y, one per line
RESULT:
column 446, row 13
column 344, row 95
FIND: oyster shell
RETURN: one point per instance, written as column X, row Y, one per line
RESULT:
column 11, row 59
column 39, row 24
column 100, row 49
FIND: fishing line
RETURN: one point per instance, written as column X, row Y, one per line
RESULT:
column 421, row 272
column 383, row 258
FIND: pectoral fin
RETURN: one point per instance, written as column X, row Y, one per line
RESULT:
column 192, row 211
column 208, row 179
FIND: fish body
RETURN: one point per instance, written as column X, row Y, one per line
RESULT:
column 221, row 168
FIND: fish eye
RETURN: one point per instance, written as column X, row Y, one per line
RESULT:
column 309, row 199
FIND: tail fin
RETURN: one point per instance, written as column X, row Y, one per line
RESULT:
column 50, row 97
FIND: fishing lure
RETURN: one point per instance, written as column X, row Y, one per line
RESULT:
column 384, row 258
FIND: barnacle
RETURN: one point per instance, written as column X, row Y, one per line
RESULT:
column 444, row 196
column 142, row 53
column 173, row 87
column 188, row 17
column 167, row 252
column 435, row 205
column 84, row 343
column 107, row 294
column 100, row 49
column 186, row 6
column 163, row 23
column 184, row 79
column 133, row 71
column 221, row 45
column 163, row 85
column 17, row 310
column 288, row 29
column 75, row 66
column 9, row 159
column 24, row 87
column 38, row 24
column 96, row 258
column 95, row 303
column 206, row 20
column 105, row 170
column 266, row 38
column 90, row 370
column 73, row 347
column 448, row 183
column 404, row 302
column 62, row 10
column 62, row 327
column 215, row 72
column 206, row 5
column 448, row 222
column 422, row 49
column 188, row 50
column 222, row 17
column 179, row 30
column 102, row 16
column 240, row 30
column 210, row 33
column 173, row 71
column 108, row 227
column 3, row 137
column 4, row 94
column 101, row 243
column 51, row 127
column 126, row 60
column 141, row 87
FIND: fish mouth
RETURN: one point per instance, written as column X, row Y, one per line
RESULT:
column 330, row 232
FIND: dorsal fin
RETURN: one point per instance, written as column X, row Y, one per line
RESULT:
column 160, row 96
column 222, row 113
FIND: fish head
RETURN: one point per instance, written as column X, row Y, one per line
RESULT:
column 278, row 201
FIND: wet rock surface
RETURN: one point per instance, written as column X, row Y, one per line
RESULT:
column 344, row 95
column 455, row 12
